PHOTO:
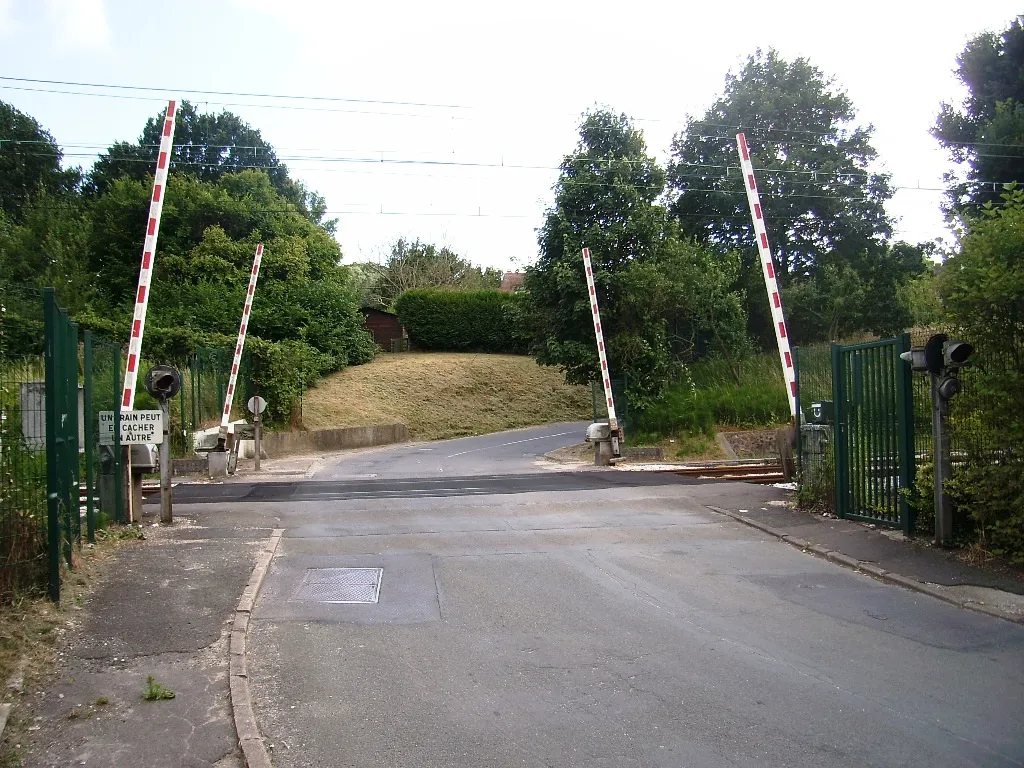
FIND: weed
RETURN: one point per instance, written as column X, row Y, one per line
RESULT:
column 102, row 701
column 155, row 691
column 121, row 533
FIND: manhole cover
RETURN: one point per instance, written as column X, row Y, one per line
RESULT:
column 340, row 585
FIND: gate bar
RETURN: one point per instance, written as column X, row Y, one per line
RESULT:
column 253, row 276
column 613, row 422
column 768, row 269
column 156, row 206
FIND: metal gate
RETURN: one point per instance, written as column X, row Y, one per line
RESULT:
column 874, row 425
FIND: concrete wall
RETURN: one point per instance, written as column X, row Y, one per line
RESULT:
column 277, row 444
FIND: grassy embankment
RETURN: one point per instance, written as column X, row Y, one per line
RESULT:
column 441, row 395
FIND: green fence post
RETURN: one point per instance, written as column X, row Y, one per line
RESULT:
column 90, row 442
column 905, row 435
column 74, row 466
column 52, row 419
column 839, row 431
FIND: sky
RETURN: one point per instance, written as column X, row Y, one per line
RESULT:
column 447, row 121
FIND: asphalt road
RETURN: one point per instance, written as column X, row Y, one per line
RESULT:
column 612, row 624
column 512, row 452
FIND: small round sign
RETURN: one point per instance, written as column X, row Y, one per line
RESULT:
column 256, row 405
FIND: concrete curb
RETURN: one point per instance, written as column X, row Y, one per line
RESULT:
column 253, row 750
column 869, row 568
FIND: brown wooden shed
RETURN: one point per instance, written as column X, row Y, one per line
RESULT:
column 387, row 330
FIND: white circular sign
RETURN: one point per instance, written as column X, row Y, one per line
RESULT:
column 256, row 404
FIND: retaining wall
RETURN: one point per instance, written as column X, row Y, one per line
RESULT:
column 277, row 444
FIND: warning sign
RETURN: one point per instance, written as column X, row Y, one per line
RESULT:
column 136, row 427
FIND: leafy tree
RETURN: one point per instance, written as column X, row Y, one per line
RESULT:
column 206, row 146
column 49, row 248
column 921, row 296
column 30, row 162
column 822, row 203
column 605, row 200
column 209, row 232
column 413, row 264
column 987, row 132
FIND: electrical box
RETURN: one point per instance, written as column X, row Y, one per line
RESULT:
column 144, row 457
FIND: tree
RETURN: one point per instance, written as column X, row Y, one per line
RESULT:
column 206, row 146
column 209, row 232
column 50, row 248
column 987, row 132
column 30, row 162
column 413, row 264
column 821, row 201
column 645, row 272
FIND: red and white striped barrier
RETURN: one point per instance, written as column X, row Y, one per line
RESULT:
column 156, row 206
column 613, row 422
column 253, row 276
column 770, row 281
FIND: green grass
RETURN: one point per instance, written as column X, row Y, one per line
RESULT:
column 708, row 395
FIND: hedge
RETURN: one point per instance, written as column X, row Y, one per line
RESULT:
column 464, row 321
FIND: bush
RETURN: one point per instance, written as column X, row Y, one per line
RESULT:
column 983, row 289
column 281, row 370
column 463, row 321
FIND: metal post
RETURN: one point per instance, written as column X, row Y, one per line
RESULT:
column 52, row 467
column 129, row 484
column 257, row 437
column 943, row 467
column 165, row 465
column 90, row 443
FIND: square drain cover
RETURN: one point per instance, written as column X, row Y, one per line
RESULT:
column 340, row 585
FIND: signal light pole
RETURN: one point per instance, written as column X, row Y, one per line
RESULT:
column 941, row 359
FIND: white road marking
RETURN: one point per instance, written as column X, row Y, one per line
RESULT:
column 514, row 442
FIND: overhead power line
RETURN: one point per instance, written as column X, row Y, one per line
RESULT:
column 840, row 133
column 843, row 175
column 242, row 94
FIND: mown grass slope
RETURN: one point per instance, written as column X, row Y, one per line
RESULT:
column 441, row 394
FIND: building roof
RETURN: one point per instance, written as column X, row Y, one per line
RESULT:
column 512, row 281
column 366, row 310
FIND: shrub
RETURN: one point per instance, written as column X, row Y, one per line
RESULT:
column 281, row 370
column 463, row 321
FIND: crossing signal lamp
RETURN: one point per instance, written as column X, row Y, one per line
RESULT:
column 943, row 358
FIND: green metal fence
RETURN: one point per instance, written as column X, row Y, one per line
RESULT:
column 104, row 472
column 63, row 509
column 23, row 563
column 49, row 441
column 973, row 428
column 872, row 392
column 204, row 384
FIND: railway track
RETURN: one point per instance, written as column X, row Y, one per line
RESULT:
column 748, row 472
